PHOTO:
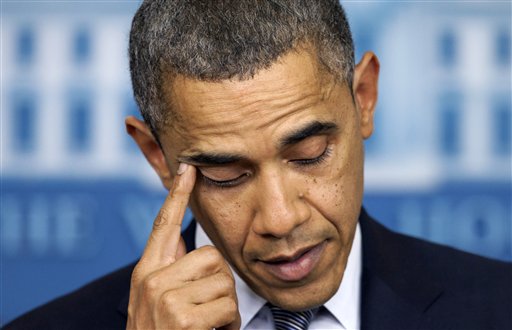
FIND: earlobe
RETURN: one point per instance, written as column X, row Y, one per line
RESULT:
column 365, row 89
column 147, row 143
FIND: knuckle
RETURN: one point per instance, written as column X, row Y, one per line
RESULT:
column 224, row 281
column 185, row 321
column 139, row 276
column 131, row 311
column 169, row 300
column 231, row 308
column 213, row 254
column 209, row 249
column 135, row 279
column 150, row 284
column 138, row 272
column 161, row 219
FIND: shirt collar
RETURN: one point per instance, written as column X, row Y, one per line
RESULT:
column 344, row 305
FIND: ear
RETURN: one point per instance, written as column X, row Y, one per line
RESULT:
column 365, row 89
column 147, row 143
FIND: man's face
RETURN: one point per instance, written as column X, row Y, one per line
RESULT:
column 280, row 174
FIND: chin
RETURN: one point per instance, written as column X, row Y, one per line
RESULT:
column 304, row 297
column 301, row 303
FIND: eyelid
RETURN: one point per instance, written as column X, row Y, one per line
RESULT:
column 307, row 148
column 222, row 183
column 223, row 172
column 316, row 160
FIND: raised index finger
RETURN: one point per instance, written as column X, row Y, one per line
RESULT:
column 164, row 238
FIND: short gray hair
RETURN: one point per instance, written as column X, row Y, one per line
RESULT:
column 213, row 40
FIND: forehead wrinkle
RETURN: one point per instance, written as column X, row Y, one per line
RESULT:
column 294, row 104
column 225, row 115
column 241, row 121
column 206, row 138
column 292, row 108
column 218, row 99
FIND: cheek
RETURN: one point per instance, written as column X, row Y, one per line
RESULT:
column 337, row 194
column 224, row 218
column 337, row 199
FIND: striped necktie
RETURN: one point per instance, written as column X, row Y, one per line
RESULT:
column 286, row 320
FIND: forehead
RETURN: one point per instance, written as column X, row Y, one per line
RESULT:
column 293, row 89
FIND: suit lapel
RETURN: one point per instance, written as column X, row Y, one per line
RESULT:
column 189, row 238
column 383, row 308
column 397, row 288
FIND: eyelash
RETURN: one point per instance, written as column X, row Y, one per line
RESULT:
column 301, row 162
column 223, row 184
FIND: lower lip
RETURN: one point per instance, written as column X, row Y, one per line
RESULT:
column 297, row 269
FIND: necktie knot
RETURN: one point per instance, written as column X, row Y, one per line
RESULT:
column 286, row 320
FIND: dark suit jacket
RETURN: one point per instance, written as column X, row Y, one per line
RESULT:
column 406, row 284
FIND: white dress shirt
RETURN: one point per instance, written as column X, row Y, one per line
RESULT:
column 342, row 311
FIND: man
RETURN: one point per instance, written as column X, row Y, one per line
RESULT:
column 255, row 116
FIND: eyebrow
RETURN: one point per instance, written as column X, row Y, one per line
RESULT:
column 210, row 159
column 216, row 159
column 311, row 129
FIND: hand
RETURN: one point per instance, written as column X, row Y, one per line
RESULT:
column 174, row 290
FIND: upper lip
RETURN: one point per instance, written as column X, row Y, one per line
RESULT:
column 290, row 257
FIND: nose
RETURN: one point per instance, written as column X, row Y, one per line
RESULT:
column 281, row 206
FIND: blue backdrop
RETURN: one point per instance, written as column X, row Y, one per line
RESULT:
column 77, row 199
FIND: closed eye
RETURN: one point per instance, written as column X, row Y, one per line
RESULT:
column 223, row 183
column 303, row 162
column 316, row 160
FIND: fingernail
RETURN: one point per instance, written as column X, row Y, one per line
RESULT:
column 182, row 168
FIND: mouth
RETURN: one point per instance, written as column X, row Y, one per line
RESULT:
column 296, row 266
